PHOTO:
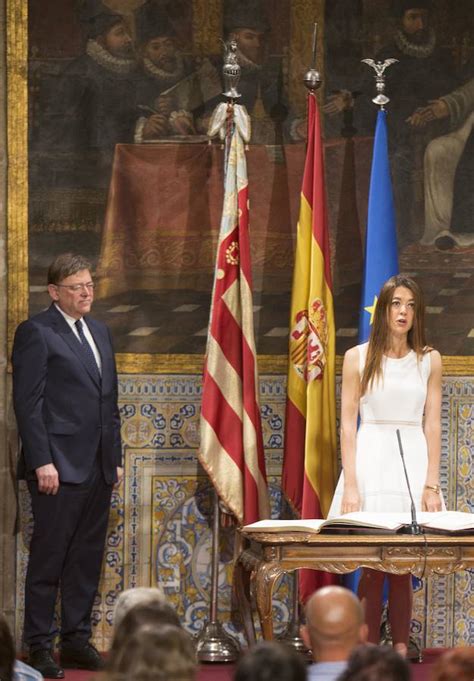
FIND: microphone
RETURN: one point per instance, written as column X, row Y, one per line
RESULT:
column 414, row 528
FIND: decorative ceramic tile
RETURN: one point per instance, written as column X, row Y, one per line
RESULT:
column 159, row 530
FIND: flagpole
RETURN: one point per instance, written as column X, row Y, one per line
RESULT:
column 214, row 643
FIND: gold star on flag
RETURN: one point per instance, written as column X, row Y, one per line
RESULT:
column 371, row 310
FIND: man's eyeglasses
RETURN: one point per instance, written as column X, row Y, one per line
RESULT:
column 75, row 288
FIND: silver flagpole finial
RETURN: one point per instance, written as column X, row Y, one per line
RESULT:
column 312, row 77
column 231, row 71
column 379, row 67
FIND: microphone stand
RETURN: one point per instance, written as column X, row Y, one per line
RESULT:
column 414, row 528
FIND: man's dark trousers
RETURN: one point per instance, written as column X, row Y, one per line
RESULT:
column 71, row 526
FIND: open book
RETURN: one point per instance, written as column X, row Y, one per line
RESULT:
column 443, row 521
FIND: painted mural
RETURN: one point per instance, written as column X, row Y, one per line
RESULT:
column 119, row 97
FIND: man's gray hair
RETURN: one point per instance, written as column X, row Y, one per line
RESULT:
column 140, row 595
column 65, row 265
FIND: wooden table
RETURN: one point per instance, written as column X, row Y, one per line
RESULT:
column 267, row 556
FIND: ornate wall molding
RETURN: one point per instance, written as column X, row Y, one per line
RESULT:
column 267, row 364
column 17, row 184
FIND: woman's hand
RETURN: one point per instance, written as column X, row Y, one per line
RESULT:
column 430, row 501
column 350, row 499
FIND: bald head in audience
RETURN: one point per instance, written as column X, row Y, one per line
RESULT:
column 334, row 624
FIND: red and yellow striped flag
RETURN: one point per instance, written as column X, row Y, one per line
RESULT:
column 310, row 457
column 231, row 448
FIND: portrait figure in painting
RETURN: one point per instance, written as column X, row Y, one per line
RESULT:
column 173, row 87
column 448, row 170
column 92, row 100
column 261, row 83
column 162, row 66
column 423, row 71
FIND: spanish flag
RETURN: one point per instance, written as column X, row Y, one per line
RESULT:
column 310, row 453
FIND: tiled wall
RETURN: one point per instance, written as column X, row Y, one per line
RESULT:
column 159, row 530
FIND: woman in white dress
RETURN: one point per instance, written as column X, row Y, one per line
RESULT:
column 392, row 382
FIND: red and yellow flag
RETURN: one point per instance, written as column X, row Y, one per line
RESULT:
column 231, row 448
column 310, row 456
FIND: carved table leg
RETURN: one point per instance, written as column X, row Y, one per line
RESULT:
column 242, row 592
column 266, row 576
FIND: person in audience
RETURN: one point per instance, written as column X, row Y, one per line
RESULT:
column 376, row 663
column 334, row 627
column 140, row 595
column 151, row 653
column 10, row 668
column 455, row 665
column 271, row 661
column 154, row 614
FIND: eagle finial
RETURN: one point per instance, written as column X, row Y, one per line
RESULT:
column 379, row 67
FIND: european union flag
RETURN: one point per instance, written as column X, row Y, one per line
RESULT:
column 381, row 256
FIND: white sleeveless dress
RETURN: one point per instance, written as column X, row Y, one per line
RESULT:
column 395, row 401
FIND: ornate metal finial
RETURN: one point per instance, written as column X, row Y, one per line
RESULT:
column 312, row 77
column 379, row 67
column 231, row 71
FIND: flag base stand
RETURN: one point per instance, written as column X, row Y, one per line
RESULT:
column 292, row 637
column 214, row 644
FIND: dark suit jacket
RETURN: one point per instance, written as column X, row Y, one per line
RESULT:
column 64, row 414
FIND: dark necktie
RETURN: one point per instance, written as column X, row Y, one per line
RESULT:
column 86, row 349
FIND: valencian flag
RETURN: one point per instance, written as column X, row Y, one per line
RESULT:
column 231, row 449
column 381, row 255
column 310, row 457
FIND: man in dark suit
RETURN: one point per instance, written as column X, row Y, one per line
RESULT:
column 65, row 400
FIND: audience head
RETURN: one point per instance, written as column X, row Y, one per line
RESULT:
column 153, row 615
column 150, row 653
column 7, row 650
column 334, row 624
column 455, row 665
column 376, row 663
column 130, row 598
column 270, row 661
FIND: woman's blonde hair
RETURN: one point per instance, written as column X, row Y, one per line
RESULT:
column 380, row 334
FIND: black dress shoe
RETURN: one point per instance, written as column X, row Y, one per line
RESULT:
column 86, row 657
column 42, row 660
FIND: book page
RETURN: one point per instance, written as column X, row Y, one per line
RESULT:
column 451, row 521
column 384, row 521
column 312, row 525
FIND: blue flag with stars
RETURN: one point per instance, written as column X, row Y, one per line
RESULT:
column 381, row 256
